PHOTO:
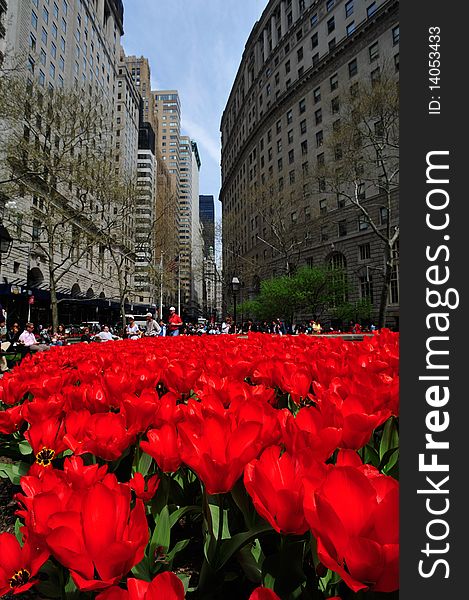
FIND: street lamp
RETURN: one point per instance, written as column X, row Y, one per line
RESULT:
column 235, row 285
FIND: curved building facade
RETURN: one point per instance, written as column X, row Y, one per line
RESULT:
column 301, row 59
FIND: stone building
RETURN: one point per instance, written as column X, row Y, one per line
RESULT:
column 67, row 44
column 300, row 62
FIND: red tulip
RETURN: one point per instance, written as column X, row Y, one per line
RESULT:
column 262, row 593
column 274, row 482
column 217, row 447
column 100, row 536
column 46, row 440
column 165, row 586
column 137, row 484
column 19, row 565
column 163, row 446
column 354, row 518
column 11, row 419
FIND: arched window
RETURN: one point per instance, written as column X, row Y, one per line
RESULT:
column 35, row 277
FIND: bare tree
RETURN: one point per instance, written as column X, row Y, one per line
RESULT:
column 362, row 163
column 53, row 142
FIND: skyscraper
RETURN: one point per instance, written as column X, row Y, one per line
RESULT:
column 304, row 62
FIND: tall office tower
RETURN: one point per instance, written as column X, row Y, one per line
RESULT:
column 71, row 45
column 126, row 122
column 166, row 201
column 207, row 218
column 197, row 241
column 303, row 63
column 146, row 267
column 185, row 217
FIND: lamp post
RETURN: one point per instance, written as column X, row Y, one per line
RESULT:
column 235, row 285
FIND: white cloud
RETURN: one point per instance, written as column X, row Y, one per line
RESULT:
column 200, row 135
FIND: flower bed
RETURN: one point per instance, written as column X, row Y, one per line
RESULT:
column 210, row 467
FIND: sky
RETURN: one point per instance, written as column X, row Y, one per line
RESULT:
column 195, row 47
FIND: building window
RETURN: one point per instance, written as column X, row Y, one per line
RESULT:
column 292, row 176
column 363, row 223
column 290, row 136
column 353, row 68
column 375, row 76
column 364, row 251
column 287, row 67
column 279, row 126
column 348, row 8
column 324, row 233
column 317, row 95
column 299, row 54
column 42, row 57
column 279, row 146
column 52, row 70
column 331, row 44
column 334, row 81
column 330, row 5
column 395, row 35
column 280, row 164
column 319, row 139
column 45, row 14
column 396, row 61
column 342, row 227
column 314, row 40
column 330, row 25
column 318, row 116
column 33, row 19
column 289, row 117
column 373, row 51
column 320, row 159
column 314, row 20
column 304, row 147
column 370, row 11
column 44, row 36
column 291, row 157
column 53, row 50
column 383, row 215
column 335, row 105
column 323, row 206
column 303, row 127
column 350, row 28
column 42, row 78
column 366, row 287
column 315, row 59
column 394, row 287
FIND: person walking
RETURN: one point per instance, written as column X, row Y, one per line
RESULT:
column 132, row 329
column 174, row 322
column 152, row 329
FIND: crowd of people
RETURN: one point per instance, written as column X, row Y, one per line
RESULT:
column 14, row 341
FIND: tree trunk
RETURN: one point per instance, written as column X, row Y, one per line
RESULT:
column 53, row 301
column 386, row 285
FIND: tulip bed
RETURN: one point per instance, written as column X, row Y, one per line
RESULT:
column 211, row 467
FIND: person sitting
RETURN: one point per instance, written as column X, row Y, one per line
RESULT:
column 132, row 330
column 105, row 335
column 152, row 329
column 85, row 336
column 27, row 340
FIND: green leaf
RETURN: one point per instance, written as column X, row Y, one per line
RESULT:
column 250, row 563
column 230, row 546
column 215, row 512
column 285, row 568
column 18, row 535
column 371, row 456
column 161, row 537
column 14, row 471
column 25, row 448
column 178, row 547
column 390, row 438
column 142, row 570
column 144, row 464
column 180, row 512
column 391, row 462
